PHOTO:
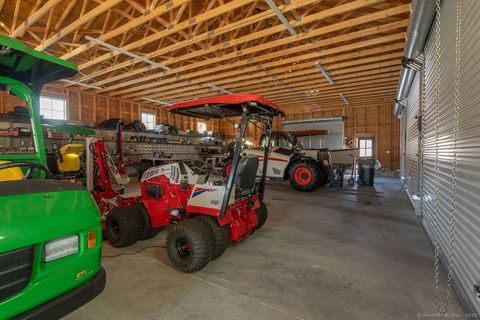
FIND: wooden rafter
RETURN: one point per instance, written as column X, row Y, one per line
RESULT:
column 239, row 45
column 108, row 4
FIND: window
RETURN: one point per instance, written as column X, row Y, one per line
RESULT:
column 148, row 120
column 53, row 108
column 201, row 127
column 365, row 146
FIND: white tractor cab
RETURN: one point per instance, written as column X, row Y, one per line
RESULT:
column 306, row 169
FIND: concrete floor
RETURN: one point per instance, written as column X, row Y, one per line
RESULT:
column 319, row 256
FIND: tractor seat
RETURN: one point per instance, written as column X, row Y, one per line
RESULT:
column 246, row 172
column 11, row 173
column 68, row 157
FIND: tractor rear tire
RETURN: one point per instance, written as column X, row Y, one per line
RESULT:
column 147, row 231
column 123, row 226
column 221, row 235
column 227, row 168
column 305, row 175
column 189, row 245
column 262, row 215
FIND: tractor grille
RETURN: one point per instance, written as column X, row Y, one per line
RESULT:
column 15, row 271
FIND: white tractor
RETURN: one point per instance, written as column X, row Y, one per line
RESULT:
column 306, row 169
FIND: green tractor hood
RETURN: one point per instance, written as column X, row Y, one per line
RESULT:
column 33, row 68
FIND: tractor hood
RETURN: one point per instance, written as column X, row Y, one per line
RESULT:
column 33, row 68
column 35, row 211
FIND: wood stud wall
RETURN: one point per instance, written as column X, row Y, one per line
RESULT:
column 93, row 109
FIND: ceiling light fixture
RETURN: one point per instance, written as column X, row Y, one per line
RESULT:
column 76, row 83
column 127, row 53
column 281, row 17
column 325, row 74
column 165, row 103
column 211, row 86
column 344, row 98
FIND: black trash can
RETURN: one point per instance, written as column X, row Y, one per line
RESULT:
column 366, row 172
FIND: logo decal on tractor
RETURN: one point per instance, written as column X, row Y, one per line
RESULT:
column 199, row 191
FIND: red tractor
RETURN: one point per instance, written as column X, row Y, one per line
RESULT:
column 206, row 216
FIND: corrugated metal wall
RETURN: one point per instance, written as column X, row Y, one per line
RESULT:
column 403, row 141
column 412, row 138
column 467, row 245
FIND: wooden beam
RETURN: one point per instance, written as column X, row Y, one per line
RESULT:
column 128, row 26
column 272, row 76
column 269, row 56
column 220, row 71
column 65, row 13
column 108, row 4
column 263, row 34
column 212, row 34
column 15, row 14
column 181, row 26
column 34, row 17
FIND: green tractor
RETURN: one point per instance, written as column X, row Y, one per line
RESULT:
column 50, row 230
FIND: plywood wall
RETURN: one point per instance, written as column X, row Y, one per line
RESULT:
column 374, row 121
column 90, row 108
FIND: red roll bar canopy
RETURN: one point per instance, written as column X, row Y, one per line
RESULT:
column 231, row 105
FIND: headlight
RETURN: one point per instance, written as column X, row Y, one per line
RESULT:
column 60, row 248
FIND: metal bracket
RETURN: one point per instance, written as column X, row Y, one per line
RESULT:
column 477, row 291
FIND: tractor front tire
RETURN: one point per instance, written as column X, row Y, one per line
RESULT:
column 305, row 175
column 262, row 215
column 189, row 245
column 147, row 231
column 123, row 226
column 221, row 235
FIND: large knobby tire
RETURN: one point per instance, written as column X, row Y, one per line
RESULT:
column 221, row 235
column 123, row 226
column 147, row 231
column 227, row 168
column 305, row 175
column 189, row 245
column 262, row 215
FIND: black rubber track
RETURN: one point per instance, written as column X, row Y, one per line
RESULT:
column 314, row 170
column 146, row 231
column 221, row 235
column 127, row 221
column 199, row 237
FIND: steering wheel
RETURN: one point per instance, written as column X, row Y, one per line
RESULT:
column 32, row 167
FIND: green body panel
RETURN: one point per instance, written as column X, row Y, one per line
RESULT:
column 34, row 219
column 33, row 68
column 25, row 93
